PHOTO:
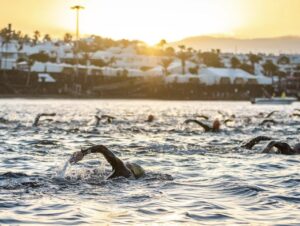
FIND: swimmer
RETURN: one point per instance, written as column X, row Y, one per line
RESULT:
column 108, row 117
column 267, row 121
column 271, row 113
column 215, row 127
column 3, row 120
column 250, row 144
column 150, row 118
column 98, row 119
column 120, row 169
column 295, row 115
column 282, row 147
column 262, row 115
column 37, row 118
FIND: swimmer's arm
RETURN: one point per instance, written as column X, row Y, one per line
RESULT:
column 108, row 155
column 269, row 147
column 270, row 114
column 37, row 118
column 282, row 148
column 227, row 120
column 267, row 121
column 203, row 116
column 98, row 119
column 204, row 126
column 250, row 144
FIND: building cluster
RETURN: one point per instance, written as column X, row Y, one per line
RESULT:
column 62, row 59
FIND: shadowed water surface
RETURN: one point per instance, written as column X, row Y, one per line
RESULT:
column 192, row 177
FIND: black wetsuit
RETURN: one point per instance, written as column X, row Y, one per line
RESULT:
column 282, row 147
column 119, row 168
column 206, row 128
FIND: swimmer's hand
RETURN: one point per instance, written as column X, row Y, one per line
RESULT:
column 76, row 157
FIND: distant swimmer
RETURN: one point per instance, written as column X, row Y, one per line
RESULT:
column 262, row 115
column 37, row 118
column 107, row 117
column 282, row 147
column 267, row 121
column 150, row 118
column 3, row 120
column 295, row 115
column 119, row 168
column 98, row 120
column 202, row 116
column 215, row 127
column 250, row 144
column 271, row 113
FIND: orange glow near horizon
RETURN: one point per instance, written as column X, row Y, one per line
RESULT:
column 153, row 20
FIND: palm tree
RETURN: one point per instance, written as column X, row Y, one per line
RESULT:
column 165, row 63
column 162, row 43
column 111, row 61
column 30, row 63
column 47, row 38
column 235, row 62
column 183, row 56
column 36, row 37
column 283, row 60
column 68, row 38
column 86, row 57
column 7, row 38
column 270, row 69
column 254, row 59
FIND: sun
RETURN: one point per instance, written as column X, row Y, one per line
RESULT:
column 135, row 19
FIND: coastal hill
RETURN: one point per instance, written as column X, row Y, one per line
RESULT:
column 286, row 44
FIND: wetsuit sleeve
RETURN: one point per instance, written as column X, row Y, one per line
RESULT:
column 270, row 114
column 204, row 126
column 250, row 144
column 119, row 169
column 282, row 147
column 108, row 155
column 37, row 118
column 267, row 121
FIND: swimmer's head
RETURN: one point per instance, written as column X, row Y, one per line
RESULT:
column 216, row 124
column 297, row 148
column 136, row 169
column 150, row 118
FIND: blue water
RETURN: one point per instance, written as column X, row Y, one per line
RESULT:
column 192, row 177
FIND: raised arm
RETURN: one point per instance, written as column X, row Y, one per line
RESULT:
column 204, row 126
column 37, row 118
column 270, row 114
column 267, row 121
column 250, row 144
column 282, row 148
column 202, row 116
column 119, row 168
column 98, row 119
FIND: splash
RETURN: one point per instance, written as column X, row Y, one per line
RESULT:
column 61, row 173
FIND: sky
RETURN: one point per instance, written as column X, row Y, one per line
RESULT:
column 153, row 20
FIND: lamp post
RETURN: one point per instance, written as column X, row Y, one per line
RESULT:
column 77, row 8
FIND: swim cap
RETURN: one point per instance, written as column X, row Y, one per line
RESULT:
column 136, row 169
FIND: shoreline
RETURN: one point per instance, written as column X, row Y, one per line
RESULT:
column 70, row 97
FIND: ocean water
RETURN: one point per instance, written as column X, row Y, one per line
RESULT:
column 192, row 177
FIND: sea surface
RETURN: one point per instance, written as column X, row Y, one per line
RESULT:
column 192, row 177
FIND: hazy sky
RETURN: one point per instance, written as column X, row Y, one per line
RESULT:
column 152, row 20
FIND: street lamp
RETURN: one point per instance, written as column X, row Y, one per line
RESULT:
column 77, row 8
